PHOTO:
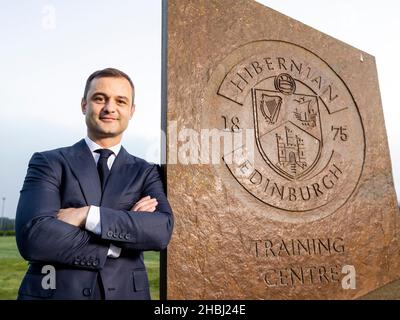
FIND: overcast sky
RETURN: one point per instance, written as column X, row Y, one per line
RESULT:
column 48, row 48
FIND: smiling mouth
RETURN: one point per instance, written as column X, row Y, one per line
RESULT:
column 108, row 119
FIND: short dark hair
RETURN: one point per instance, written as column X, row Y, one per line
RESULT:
column 108, row 73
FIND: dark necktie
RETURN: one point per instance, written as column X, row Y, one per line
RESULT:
column 102, row 166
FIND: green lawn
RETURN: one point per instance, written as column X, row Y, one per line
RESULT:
column 13, row 267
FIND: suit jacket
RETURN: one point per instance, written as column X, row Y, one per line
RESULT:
column 68, row 178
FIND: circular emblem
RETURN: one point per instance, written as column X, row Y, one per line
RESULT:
column 297, row 141
column 285, row 84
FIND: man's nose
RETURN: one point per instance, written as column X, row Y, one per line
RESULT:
column 110, row 106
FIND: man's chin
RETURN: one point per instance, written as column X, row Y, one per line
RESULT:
column 105, row 131
column 108, row 130
column 107, row 134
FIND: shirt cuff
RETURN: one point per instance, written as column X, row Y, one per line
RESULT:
column 93, row 222
column 114, row 251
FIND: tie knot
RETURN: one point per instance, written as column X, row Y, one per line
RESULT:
column 104, row 153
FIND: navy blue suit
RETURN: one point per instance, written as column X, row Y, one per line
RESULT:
column 68, row 178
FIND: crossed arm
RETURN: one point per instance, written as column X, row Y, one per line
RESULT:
column 77, row 216
column 47, row 233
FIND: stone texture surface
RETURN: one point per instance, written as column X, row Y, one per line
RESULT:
column 243, row 229
column 390, row 291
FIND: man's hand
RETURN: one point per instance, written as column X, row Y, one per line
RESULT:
column 75, row 216
column 146, row 204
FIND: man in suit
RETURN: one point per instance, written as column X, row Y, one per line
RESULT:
column 90, row 210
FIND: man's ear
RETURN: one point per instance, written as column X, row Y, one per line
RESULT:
column 132, row 110
column 83, row 105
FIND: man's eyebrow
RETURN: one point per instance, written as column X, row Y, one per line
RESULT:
column 122, row 98
column 99, row 93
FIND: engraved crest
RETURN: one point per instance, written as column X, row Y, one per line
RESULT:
column 287, row 126
column 303, row 121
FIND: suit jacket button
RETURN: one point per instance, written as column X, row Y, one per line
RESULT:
column 109, row 234
column 76, row 262
column 121, row 235
column 89, row 263
column 87, row 292
column 115, row 235
column 95, row 263
column 127, row 236
column 83, row 263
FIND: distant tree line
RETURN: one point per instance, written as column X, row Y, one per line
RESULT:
column 7, row 224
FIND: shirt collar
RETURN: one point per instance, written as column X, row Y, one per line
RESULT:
column 93, row 146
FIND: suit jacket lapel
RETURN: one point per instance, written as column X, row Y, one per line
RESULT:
column 117, row 180
column 84, row 168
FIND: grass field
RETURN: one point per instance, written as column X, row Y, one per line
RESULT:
column 13, row 268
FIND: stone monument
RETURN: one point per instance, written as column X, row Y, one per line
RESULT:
column 278, row 167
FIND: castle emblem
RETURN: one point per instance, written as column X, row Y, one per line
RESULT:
column 291, row 157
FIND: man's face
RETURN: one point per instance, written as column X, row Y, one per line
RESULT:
column 108, row 107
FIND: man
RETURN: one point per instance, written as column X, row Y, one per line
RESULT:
column 90, row 210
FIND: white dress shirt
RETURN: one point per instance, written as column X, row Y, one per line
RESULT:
column 93, row 222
